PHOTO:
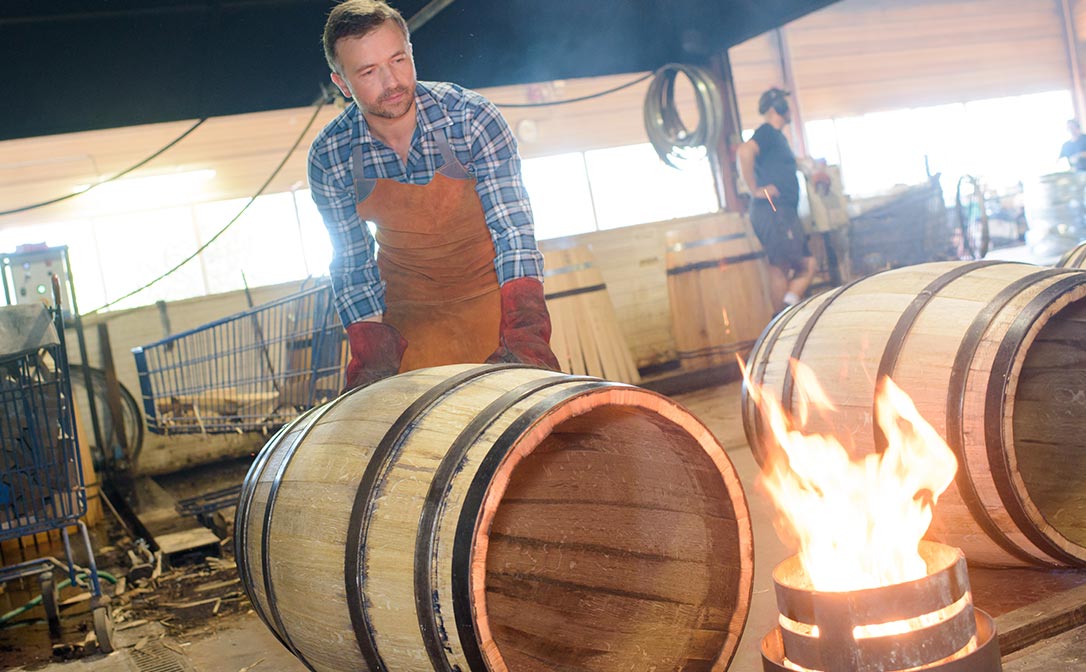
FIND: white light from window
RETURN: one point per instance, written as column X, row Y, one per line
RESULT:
column 631, row 185
column 560, row 195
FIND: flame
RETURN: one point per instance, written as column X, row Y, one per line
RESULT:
column 857, row 523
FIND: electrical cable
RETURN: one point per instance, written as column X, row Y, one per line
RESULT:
column 318, row 107
column 119, row 175
column 667, row 132
column 579, row 98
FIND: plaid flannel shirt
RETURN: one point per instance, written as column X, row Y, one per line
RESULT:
column 481, row 140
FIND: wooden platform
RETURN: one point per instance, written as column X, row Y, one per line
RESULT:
column 1049, row 634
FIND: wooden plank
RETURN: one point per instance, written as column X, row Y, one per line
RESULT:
column 172, row 533
column 1047, row 618
column 1062, row 652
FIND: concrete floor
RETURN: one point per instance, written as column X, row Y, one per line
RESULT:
column 242, row 643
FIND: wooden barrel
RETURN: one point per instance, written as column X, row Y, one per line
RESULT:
column 718, row 284
column 1055, row 212
column 994, row 356
column 497, row 518
column 1074, row 258
column 585, row 335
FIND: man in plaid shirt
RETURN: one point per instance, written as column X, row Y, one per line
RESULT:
column 434, row 168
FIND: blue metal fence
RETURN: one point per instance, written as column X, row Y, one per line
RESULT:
column 252, row 371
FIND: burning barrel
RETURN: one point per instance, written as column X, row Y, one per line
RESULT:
column 497, row 518
column 926, row 624
column 994, row 356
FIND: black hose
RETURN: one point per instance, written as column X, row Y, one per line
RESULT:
column 665, row 128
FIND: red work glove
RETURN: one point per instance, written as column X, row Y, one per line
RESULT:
column 376, row 351
column 525, row 332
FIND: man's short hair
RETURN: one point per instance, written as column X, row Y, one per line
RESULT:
column 775, row 98
column 355, row 18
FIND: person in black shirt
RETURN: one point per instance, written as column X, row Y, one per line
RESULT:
column 768, row 166
column 1074, row 150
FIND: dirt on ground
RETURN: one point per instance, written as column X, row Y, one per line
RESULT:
column 190, row 600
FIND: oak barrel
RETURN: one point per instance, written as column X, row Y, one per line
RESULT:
column 718, row 285
column 585, row 335
column 1074, row 258
column 994, row 356
column 497, row 518
column 1055, row 207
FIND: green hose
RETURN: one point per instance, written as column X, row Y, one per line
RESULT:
column 60, row 586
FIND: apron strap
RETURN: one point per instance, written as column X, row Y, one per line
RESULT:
column 363, row 187
column 451, row 167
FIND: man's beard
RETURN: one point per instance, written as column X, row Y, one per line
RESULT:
column 380, row 109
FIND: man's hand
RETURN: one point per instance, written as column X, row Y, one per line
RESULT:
column 376, row 352
column 768, row 192
column 525, row 332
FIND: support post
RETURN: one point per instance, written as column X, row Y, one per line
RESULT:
column 784, row 56
column 722, row 157
column 1070, row 41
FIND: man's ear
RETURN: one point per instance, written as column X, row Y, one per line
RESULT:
column 341, row 84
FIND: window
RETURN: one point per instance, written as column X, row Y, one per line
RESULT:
column 611, row 188
column 316, row 246
column 631, row 185
column 1003, row 141
column 136, row 248
column 560, row 194
column 264, row 243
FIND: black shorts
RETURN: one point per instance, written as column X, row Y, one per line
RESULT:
column 781, row 234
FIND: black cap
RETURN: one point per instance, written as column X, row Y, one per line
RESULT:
column 774, row 98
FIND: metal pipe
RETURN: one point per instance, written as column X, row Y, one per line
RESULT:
column 426, row 13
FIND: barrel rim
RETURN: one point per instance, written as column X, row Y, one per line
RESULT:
column 425, row 570
column 539, row 419
column 244, row 506
column 957, row 391
column 716, row 263
column 686, row 244
column 601, row 287
column 266, row 523
column 377, row 469
column 1021, row 334
column 769, row 335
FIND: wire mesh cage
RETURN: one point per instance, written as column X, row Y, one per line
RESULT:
column 41, row 476
column 250, row 372
column 41, row 484
column 910, row 227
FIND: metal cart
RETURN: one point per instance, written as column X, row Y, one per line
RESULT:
column 41, row 477
column 250, row 372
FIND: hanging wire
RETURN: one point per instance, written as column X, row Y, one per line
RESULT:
column 669, row 135
column 316, row 111
column 579, row 99
column 119, row 175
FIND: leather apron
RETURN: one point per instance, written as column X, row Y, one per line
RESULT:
column 437, row 257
